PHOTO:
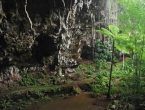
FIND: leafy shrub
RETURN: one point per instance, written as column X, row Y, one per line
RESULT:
column 101, row 65
column 95, row 90
column 85, row 69
column 5, row 104
column 46, row 98
column 27, row 80
column 102, row 51
column 75, row 91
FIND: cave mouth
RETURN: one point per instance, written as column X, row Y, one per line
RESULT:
column 87, row 52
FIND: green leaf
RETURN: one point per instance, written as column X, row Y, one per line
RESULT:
column 114, row 29
column 105, row 32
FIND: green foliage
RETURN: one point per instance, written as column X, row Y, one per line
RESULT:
column 5, row 104
column 66, row 96
column 127, row 86
column 90, row 70
column 55, row 80
column 2, row 90
column 46, row 98
column 122, row 42
column 83, row 68
column 19, row 104
column 32, row 99
column 113, row 33
column 131, row 19
column 123, row 82
column 39, row 93
column 102, row 51
column 95, row 90
column 101, row 64
column 99, row 87
column 75, row 91
column 117, row 71
column 28, row 80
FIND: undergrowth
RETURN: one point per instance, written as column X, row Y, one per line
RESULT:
column 124, row 83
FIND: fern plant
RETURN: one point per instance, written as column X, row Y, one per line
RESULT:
column 113, row 33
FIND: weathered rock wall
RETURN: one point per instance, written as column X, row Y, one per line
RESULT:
column 38, row 35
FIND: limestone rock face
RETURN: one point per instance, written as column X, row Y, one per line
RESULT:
column 8, row 76
column 46, row 34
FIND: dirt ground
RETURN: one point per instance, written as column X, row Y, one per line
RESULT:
column 81, row 101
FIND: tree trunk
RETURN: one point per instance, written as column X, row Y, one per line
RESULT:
column 111, row 69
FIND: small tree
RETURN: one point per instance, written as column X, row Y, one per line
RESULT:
column 119, row 42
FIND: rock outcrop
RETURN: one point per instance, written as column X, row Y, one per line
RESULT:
column 37, row 35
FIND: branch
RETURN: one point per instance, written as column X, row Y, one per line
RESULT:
column 31, row 24
column 63, row 3
column 30, row 21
